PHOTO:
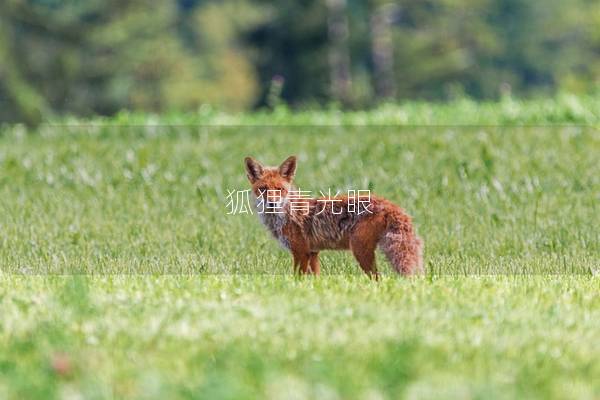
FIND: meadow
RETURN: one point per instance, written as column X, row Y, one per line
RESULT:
column 122, row 275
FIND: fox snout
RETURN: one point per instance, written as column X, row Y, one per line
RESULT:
column 274, row 202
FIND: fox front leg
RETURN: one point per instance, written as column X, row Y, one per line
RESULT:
column 315, row 265
column 301, row 261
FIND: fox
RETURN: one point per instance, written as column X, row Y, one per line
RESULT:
column 307, row 226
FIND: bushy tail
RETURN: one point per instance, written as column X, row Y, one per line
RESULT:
column 402, row 247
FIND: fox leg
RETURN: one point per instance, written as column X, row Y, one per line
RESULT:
column 296, row 262
column 301, row 260
column 366, row 260
column 363, row 242
column 315, row 265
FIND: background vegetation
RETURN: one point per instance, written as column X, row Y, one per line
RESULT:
column 149, row 195
column 122, row 276
column 99, row 57
column 253, row 336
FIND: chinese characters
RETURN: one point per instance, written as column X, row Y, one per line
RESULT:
column 298, row 201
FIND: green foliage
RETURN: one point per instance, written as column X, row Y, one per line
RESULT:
column 100, row 57
column 292, row 44
column 148, row 195
column 509, row 307
column 224, row 337
column 564, row 109
column 441, row 49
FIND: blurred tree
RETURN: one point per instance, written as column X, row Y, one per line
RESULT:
column 339, row 56
column 437, row 45
column 445, row 48
column 101, row 56
column 581, row 66
column 382, row 17
column 291, row 45
column 19, row 96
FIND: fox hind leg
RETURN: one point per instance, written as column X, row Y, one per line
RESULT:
column 363, row 242
column 364, row 252
column 314, row 262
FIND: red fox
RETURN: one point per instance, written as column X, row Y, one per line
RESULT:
column 332, row 223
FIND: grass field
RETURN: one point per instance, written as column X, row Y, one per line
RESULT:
column 122, row 276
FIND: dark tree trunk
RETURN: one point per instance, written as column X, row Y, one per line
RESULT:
column 383, row 50
column 339, row 55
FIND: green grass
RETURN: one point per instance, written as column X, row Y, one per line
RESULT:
column 279, row 337
column 153, row 199
column 122, row 276
column 564, row 109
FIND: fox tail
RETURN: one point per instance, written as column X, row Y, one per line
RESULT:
column 401, row 245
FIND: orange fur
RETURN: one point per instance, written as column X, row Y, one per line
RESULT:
column 327, row 227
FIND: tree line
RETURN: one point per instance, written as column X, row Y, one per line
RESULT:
column 89, row 57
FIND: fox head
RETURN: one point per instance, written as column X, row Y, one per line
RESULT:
column 271, row 184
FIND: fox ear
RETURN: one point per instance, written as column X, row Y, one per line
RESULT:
column 254, row 169
column 287, row 169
